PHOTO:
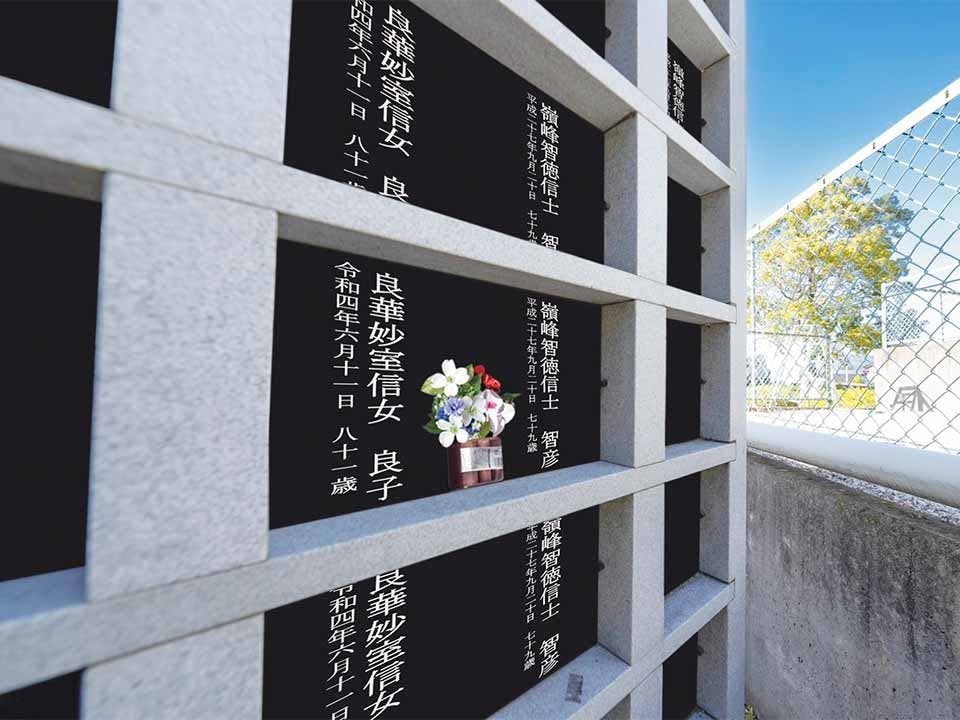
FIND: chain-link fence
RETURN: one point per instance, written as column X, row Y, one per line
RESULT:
column 855, row 293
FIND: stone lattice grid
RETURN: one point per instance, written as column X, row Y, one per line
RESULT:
column 166, row 617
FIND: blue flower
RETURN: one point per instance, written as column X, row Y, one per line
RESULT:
column 451, row 408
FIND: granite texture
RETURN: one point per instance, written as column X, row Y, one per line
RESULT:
column 635, row 189
column 630, row 594
column 213, row 674
column 644, row 703
column 216, row 69
column 181, row 387
column 633, row 403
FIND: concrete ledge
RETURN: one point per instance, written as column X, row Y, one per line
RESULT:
column 925, row 473
column 38, row 595
column 69, row 134
column 697, row 309
column 52, row 176
column 691, row 606
column 606, row 679
column 696, row 456
column 607, row 682
column 399, row 535
column 304, row 560
column 692, row 165
column 528, row 39
column 385, row 538
column 341, row 217
column 693, row 28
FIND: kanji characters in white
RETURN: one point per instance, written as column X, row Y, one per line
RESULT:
column 543, row 171
column 346, row 286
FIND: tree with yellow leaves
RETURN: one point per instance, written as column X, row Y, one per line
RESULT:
column 823, row 265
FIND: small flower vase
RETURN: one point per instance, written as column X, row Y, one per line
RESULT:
column 475, row 462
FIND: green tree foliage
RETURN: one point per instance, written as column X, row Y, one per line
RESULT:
column 823, row 265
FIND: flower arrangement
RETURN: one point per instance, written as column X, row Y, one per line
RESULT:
column 467, row 404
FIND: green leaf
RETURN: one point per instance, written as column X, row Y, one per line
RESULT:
column 431, row 427
column 470, row 370
column 428, row 389
column 484, row 430
column 510, row 397
column 471, row 387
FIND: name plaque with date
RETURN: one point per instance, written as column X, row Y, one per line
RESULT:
column 383, row 97
column 392, row 383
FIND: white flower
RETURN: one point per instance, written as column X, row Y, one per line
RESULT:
column 507, row 412
column 450, row 379
column 494, row 410
column 452, row 429
column 473, row 409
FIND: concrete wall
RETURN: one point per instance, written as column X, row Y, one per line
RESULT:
column 853, row 601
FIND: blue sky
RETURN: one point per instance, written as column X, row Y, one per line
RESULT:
column 827, row 76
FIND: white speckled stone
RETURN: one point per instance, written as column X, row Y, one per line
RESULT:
column 214, row 674
column 719, row 404
column 721, row 668
column 644, row 703
column 633, row 362
column 637, row 44
column 182, row 387
column 630, row 587
column 635, row 187
column 715, row 265
column 217, row 69
column 716, row 109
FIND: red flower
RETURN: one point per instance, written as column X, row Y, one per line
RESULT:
column 491, row 383
column 479, row 370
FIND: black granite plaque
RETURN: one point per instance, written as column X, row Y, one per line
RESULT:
column 682, row 496
column 683, row 382
column 681, row 531
column 50, row 277
column 458, row 636
column 56, row 699
column 355, row 339
column 384, row 97
column 64, row 46
column 684, row 102
column 684, row 238
column 680, row 682
column 585, row 18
